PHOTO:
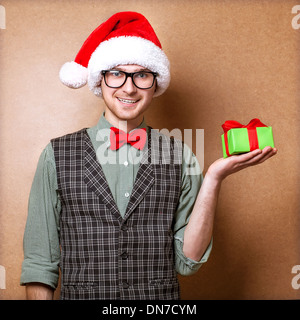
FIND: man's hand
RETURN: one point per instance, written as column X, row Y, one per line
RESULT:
column 222, row 168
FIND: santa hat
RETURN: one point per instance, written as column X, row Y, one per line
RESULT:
column 125, row 38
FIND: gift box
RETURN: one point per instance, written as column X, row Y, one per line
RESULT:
column 238, row 138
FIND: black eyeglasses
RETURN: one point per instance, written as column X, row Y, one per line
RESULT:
column 117, row 78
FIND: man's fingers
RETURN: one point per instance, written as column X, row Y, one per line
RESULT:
column 224, row 167
column 254, row 157
column 266, row 153
column 241, row 158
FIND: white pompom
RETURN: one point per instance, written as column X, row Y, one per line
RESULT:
column 73, row 75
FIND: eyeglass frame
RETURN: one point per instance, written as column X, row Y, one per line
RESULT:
column 130, row 75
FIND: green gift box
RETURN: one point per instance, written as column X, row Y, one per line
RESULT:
column 238, row 138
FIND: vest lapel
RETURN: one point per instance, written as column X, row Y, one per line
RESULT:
column 95, row 179
column 143, row 181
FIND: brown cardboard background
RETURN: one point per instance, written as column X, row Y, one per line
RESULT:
column 229, row 60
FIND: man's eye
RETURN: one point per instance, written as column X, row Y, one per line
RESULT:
column 142, row 75
column 115, row 73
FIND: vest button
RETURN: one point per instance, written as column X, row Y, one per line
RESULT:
column 124, row 227
column 124, row 255
column 125, row 285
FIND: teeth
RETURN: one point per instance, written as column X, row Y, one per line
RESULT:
column 127, row 101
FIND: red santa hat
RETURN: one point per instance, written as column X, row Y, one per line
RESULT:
column 125, row 38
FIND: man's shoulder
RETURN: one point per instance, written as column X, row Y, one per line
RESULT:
column 69, row 136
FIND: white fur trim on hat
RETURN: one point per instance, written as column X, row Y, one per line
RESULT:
column 73, row 75
column 126, row 50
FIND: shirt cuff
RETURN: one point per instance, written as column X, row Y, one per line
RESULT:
column 46, row 274
column 186, row 266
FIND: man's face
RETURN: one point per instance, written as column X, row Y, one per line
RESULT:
column 127, row 102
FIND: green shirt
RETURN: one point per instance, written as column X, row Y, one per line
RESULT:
column 41, row 237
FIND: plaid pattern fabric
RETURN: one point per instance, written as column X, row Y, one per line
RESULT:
column 105, row 256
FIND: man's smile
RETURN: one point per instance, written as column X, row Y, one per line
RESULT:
column 128, row 101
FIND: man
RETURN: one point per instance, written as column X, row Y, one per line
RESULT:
column 114, row 206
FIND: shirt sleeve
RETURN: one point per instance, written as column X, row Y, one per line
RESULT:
column 41, row 236
column 191, row 181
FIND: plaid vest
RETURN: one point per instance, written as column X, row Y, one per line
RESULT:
column 105, row 256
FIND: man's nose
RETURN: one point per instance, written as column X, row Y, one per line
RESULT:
column 129, row 86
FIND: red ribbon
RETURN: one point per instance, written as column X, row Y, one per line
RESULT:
column 252, row 134
column 137, row 138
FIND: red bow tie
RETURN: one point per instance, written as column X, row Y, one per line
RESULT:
column 137, row 138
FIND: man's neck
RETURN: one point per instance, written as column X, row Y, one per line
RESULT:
column 125, row 125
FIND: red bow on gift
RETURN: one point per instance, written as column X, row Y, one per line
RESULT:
column 252, row 134
column 136, row 138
